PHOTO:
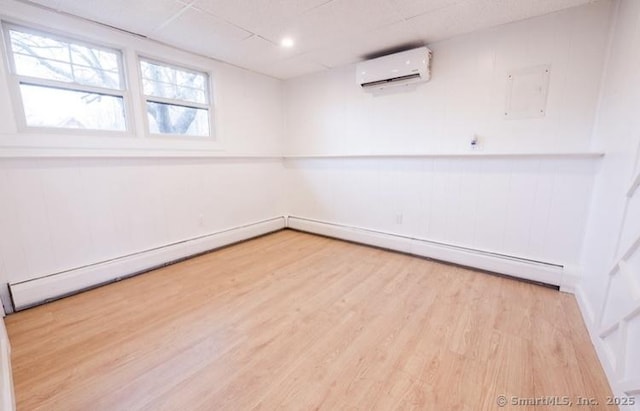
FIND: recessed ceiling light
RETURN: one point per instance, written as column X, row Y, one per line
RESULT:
column 287, row 42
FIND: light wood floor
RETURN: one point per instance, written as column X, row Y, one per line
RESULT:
column 295, row 321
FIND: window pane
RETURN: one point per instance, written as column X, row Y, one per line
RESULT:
column 39, row 46
column 91, row 57
column 96, row 77
column 52, row 107
column 43, row 57
column 37, row 67
column 172, row 83
column 170, row 119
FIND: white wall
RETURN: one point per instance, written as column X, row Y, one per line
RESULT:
column 533, row 207
column 68, row 201
column 329, row 113
column 610, row 291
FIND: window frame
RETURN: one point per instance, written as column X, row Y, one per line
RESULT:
column 209, row 106
column 16, row 80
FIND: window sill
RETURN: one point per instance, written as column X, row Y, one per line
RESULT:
column 25, row 145
column 27, row 153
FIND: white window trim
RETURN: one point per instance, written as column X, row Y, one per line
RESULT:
column 16, row 79
column 209, row 106
column 16, row 141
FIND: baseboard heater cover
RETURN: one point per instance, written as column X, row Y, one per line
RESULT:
column 537, row 271
column 37, row 291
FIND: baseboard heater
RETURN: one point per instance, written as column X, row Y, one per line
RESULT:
column 32, row 292
column 518, row 267
column 29, row 293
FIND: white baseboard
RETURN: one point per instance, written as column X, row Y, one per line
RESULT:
column 498, row 263
column 7, row 399
column 571, row 275
column 36, row 291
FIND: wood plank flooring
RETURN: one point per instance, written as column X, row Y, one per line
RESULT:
column 300, row 322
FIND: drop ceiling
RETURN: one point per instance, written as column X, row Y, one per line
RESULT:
column 327, row 33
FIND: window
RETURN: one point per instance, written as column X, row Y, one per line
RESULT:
column 66, row 83
column 177, row 99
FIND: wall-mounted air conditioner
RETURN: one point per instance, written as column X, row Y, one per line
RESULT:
column 407, row 67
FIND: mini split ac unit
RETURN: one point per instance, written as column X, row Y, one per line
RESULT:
column 407, row 67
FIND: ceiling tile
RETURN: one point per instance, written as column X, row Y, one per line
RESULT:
column 395, row 36
column 254, row 52
column 201, row 32
column 412, row 8
column 252, row 14
column 443, row 23
column 362, row 15
column 200, row 25
column 293, row 67
column 331, row 24
column 139, row 16
column 309, row 31
column 340, row 56
column 47, row 3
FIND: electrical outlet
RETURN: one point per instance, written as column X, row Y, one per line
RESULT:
column 399, row 218
column 201, row 220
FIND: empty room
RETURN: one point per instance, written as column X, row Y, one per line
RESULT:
column 319, row 205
